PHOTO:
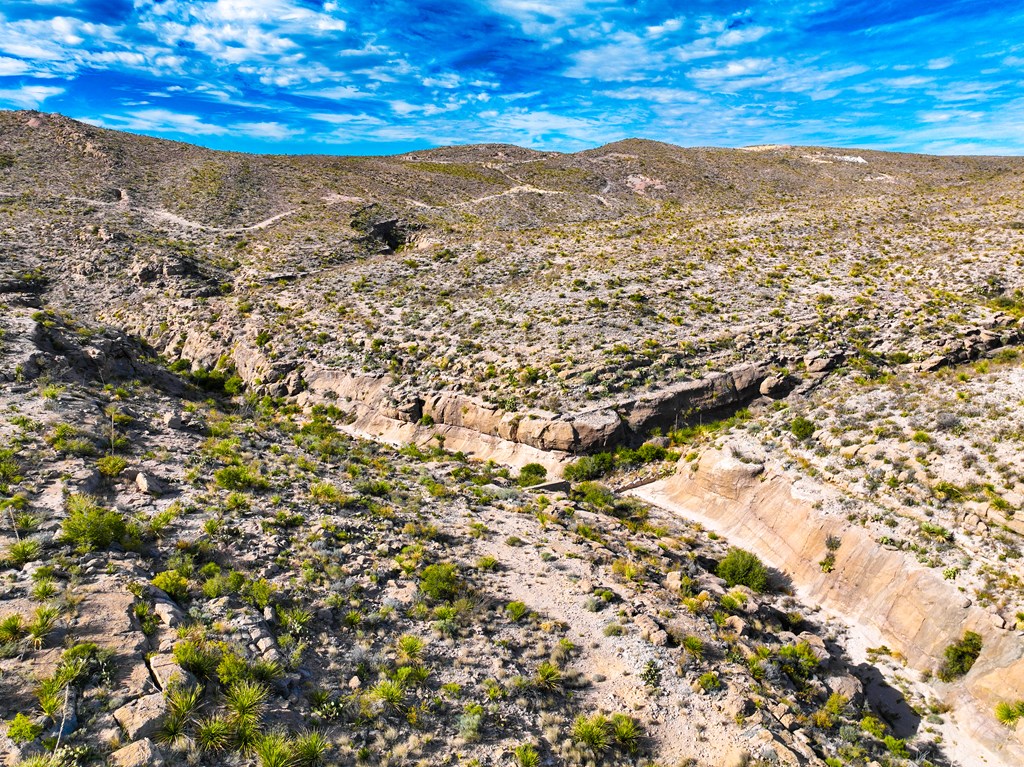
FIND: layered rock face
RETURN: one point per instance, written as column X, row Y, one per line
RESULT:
column 572, row 433
column 896, row 601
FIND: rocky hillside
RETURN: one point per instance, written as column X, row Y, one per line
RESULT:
column 268, row 423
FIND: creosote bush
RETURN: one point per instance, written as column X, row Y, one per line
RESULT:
column 741, row 568
column 440, row 581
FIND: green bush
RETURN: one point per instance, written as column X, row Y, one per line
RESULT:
column 741, row 568
column 532, row 474
column 111, row 465
column 589, row 467
column 89, row 527
column 238, row 477
column 960, row 657
column 440, row 581
column 21, row 729
column 172, row 583
column 802, row 428
column 23, row 551
column 1010, row 713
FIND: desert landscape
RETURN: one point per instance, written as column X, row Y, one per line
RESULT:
column 483, row 455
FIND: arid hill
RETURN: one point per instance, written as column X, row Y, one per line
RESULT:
column 268, row 423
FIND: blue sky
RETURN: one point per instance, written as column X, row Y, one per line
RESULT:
column 383, row 76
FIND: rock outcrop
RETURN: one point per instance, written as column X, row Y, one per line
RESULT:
column 895, row 600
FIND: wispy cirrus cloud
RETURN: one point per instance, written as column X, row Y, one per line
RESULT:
column 299, row 75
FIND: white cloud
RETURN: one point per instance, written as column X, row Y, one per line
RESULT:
column 910, row 81
column 28, row 96
column 347, row 119
column 943, row 63
column 656, row 95
column 666, row 27
column 160, row 121
column 10, row 67
column 270, row 131
column 733, row 69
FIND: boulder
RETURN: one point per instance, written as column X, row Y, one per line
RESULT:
column 149, row 484
column 142, row 717
column 141, row 753
column 167, row 671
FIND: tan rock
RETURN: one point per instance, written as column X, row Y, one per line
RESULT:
column 141, row 753
column 142, row 717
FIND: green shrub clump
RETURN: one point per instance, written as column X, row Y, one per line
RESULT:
column 532, row 474
column 89, row 526
column 440, row 581
column 589, row 467
column 802, row 428
column 741, row 568
column 21, row 729
column 960, row 656
column 172, row 583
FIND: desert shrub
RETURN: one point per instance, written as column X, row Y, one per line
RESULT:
column 960, row 657
column 198, row 657
column 549, row 677
column 592, row 732
column 309, row 748
column 626, row 732
column 10, row 468
column 440, row 581
column 23, row 551
column 89, row 526
column 274, row 750
column 797, row 661
column 21, row 729
column 741, row 568
column 709, row 681
column 516, row 611
column 111, row 465
column 896, row 747
column 172, row 583
column 526, row 756
column 802, row 428
column 532, row 474
column 589, row 467
column 238, row 477
column 873, row 725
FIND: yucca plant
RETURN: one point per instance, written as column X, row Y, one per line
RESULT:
column 592, row 732
column 246, row 701
column 24, row 551
column 410, row 649
column 391, row 694
column 526, row 756
column 213, row 733
column 12, row 628
column 309, row 748
column 626, row 732
column 274, row 750
column 182, row 703
column 43, row 623
column 549, row 677
column 43, row 589
column 1010, row 713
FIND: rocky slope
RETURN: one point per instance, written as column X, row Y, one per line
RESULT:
column 199, row 342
